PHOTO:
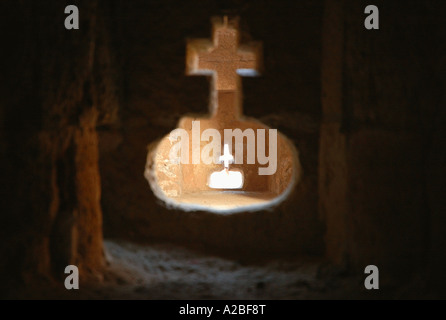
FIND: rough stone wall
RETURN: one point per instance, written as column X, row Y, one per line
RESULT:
column 59, row 86
column 332, row 170
column 388, row 93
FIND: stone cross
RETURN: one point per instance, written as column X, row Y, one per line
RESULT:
column 225, row 60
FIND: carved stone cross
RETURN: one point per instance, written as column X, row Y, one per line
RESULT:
column 225, row 60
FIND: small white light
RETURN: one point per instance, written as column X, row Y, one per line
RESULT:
column 226, row 179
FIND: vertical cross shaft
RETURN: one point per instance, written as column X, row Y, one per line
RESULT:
column 227, row 157
column 225, row 60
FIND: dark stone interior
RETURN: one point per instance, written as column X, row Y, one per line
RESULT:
column 365, row 109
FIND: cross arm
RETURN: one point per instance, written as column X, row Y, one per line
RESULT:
column 251, row 59
column 193, row 49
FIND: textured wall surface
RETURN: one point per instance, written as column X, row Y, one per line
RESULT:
column 376, row 184
column 59, row 87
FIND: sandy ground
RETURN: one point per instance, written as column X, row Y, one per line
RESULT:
column 165, row 271
column 172, row 272
column 168, row 272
